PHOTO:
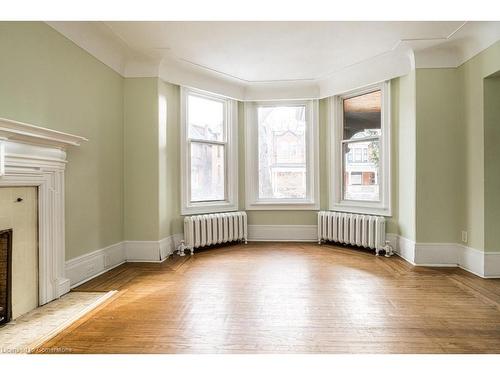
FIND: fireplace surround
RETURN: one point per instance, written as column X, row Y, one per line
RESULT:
column 35, row 156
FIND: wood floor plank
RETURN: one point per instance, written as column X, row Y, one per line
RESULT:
column 287, row 298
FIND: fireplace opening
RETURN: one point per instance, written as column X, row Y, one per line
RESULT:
column 5, row 276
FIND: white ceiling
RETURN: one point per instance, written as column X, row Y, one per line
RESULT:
column 247, row 59
column 270, row 51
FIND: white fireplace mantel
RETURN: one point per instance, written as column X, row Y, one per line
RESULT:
column 35, row 156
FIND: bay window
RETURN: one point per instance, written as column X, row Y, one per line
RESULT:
column 209, row 155
column 360, row 151
column 281, row 155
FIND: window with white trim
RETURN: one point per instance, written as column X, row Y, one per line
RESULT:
column 281, row 155
column 209, row 154
column 360, row 151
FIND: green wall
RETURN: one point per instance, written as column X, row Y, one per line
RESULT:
column 48, row 81
column 152, row 170
column 405, row 161
column 174, row 221
column 492, row 163
column 440, row 156
column 141, row 159
column 471, row 75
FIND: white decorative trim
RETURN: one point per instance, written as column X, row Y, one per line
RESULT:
column 483, row 264
column 492, row 265
column 35, row 156
column 16, row 131
column 283, row 233
column 402, row 246
column 88, row 266
column 151, row 251
column 311, row 202
column 436, row 254
column 471, row 260
column 97, row 38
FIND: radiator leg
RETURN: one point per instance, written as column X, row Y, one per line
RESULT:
column 246, row 241
column 319, row 242
column 192, row 251
column 181, row 248
column 377, row 250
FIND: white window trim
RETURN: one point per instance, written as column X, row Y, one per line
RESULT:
column 251, row 160
column 230, row 203
column 335, row 128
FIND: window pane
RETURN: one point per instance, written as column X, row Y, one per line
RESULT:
column 282, row 152
column 205, row 118
column 361, row 174
column 362, row 115
column 207, row 172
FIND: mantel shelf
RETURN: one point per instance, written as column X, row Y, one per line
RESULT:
column 18, row 131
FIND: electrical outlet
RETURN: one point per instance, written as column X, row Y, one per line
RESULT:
column 464, row 236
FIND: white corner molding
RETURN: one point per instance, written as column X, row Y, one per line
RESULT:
column 283, row 233
column 435, row 51
column 35, row 156
column 88, row 266
column 97, row 39
column 480, row 263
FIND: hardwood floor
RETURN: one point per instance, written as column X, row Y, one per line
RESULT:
column 288, row 298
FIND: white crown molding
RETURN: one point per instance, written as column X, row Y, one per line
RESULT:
column 21, row 132
column 469, row 39
column 460, row 46
column 98, row 40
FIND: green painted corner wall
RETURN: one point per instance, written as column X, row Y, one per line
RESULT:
column 174, row 221
column 141, row 159
column 440, row 156
column 403, row 94
column 472, row 75
column 491, row 163
column 46, row 80
column 152, row 169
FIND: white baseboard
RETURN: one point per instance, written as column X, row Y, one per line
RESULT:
column 84, row 268
column 483, row 264
column 278, row 233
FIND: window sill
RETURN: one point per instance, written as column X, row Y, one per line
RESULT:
column 273, row 206
column 208, row 208
column 361, row 209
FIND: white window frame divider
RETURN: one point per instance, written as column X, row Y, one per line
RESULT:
column 230, row 203
column 335, row 129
